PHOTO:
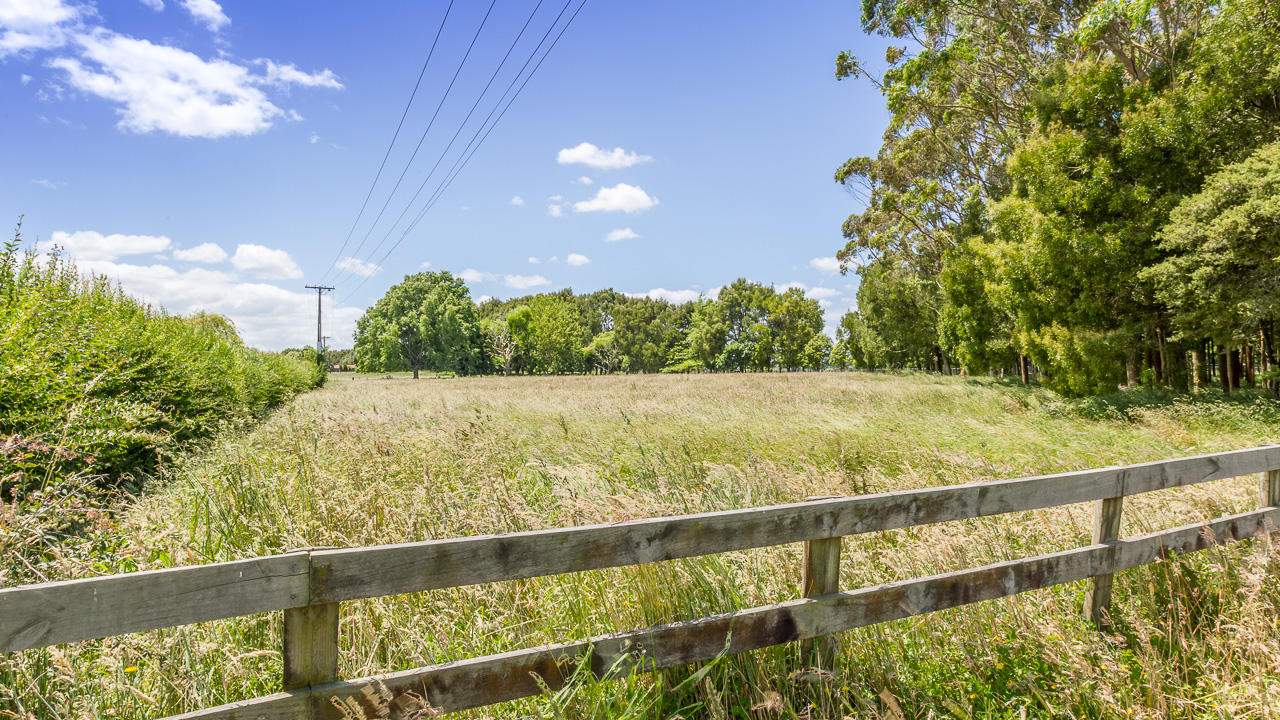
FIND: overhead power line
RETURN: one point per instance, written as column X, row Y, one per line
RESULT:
column 473, row 145
column 390, row 145
column 430, row 123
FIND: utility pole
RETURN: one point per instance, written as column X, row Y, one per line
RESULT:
column 320, row 290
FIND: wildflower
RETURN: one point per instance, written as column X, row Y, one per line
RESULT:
column 131, row 668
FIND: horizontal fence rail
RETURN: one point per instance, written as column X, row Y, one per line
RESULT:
column 309, row 585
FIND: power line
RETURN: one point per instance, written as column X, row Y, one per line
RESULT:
column 462, row 126
column 390, row 145
column 465, row 158
column 432, row 122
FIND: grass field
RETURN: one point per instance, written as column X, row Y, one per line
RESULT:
column 368, row 460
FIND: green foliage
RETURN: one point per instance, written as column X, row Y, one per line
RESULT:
column 426, row 322
column 95, row 384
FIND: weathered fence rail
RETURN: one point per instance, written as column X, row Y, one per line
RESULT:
column 310, row 585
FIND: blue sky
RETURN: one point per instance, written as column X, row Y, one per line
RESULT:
column 214, row 155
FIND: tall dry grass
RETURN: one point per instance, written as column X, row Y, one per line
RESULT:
column 369, row 461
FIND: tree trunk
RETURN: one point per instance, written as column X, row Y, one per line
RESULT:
column 1174, row 360
column 1197, row 369
column 1249, row 375
column 1233, row 369
column 415, row 371
column 1131, row 367
column 1022, row 369
column 1224, row 373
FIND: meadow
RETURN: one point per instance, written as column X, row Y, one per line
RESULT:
column 368, row 460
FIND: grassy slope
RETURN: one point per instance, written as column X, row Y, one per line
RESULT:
column 368, row 461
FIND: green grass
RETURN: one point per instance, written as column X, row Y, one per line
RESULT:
column 369, row 460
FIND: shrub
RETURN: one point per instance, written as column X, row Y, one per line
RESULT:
column 96, row 384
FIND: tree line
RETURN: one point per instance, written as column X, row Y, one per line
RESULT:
column 1084, row 191
column 429, row 322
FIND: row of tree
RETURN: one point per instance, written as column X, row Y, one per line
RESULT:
column 1090, row 189
column 429, row 322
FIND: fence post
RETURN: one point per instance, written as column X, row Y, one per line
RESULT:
column 1106, row 528
column 1269, row 488
column 310, row 643
column 821, row 577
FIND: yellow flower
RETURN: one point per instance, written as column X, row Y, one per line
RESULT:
column 972, row 696
column 999, row 666
column 131, row 668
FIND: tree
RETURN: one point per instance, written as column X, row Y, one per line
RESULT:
column 502, row 342
column 817, row 352
column 554, row 332
column 1221, row 277
column 426, row 322
column 793, row 321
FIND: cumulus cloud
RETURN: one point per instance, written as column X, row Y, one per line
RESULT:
column 619, row 198
column 207, row 12
column 535, row 261
column 621, row 234
column 358, row 267
column 519, row 282
column 425, row 264
column 825, row 264
column 822, row 292
column 555, row 209
column 588, row 154
column 25, row 79
column 166, row 89
column 157, row 5
column 285, row 75
column 47, row 184
column 205, row 253
column 788, row 286
column 524, row 282
column 583, row 180
column 267, row 316
column 577, row 260
column 672, row 296
column 34, row 24
column 313, row 139
column 91, row 245
column 516, row 200
column 264, row 262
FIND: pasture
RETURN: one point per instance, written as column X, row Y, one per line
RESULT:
column 367, row 460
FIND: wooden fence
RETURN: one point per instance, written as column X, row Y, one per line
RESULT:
column 310, row 585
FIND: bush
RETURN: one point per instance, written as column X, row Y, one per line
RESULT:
column 96, row 384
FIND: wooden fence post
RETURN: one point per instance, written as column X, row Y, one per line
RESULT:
column 1269, row 488
column 1106, row 527
column 821, row 577
column 310, row 642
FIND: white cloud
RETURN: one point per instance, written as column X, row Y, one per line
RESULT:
column 555, row 210
column 785, row 287
column 825, row 264
column 583, row 180
column 524, row 282
column 90, row 245
column 483, row 299
column 264, row 262
column 519, row 282
column 25, row 79
column 157, row 5
column 34, row 24
column 207, row 12
column 822, row 292
column 535, row 261
column 285, row 75
column 577, row 260
column 556, row 198
column 425, row 264
column 472, row 275
column 47, row 184
column 357, row 267
column 166, row 89
column 621, row 234
column 205, row 253
column 516, row 200
column 619, row 198
column 267, row 316
column 313, row 139
column 588, row 154
column 676, row 297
